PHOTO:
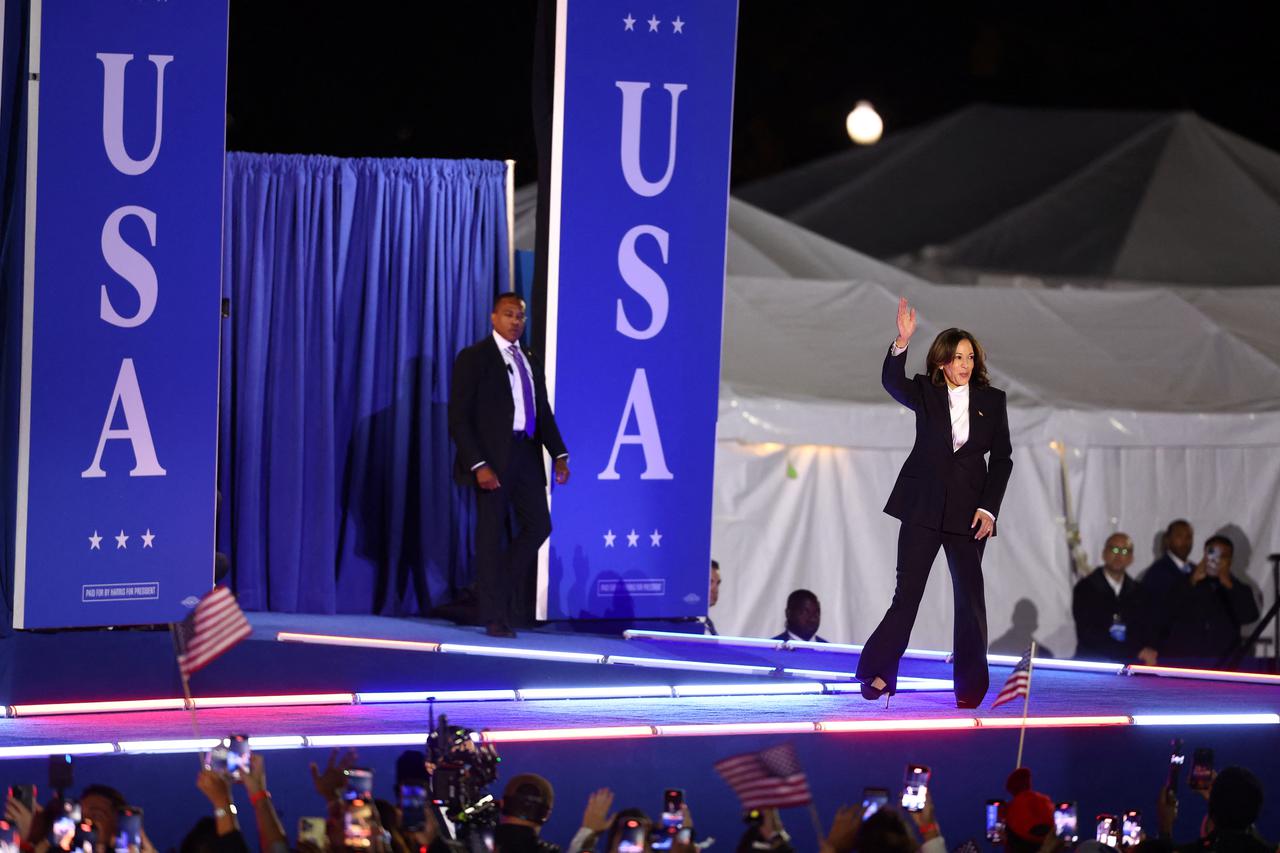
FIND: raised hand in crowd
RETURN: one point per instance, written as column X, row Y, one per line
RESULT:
column 844, row 829
column 1166, row 811
column 271, row 834
column 389, row 815
column 421, row 839
column 926, row 820
column 330, row 783
column 596, row 820
column 597, row 816
column 20, row 816
column 217, row 789
column 690, row 846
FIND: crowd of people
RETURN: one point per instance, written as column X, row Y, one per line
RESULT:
column 1179, row 611
column 1029, row 821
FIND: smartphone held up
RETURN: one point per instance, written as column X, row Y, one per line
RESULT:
column 1201, row 776
column 996, row 821
column 873, row 799
column 230, row 756
column 1065, row 823
column 915, row 788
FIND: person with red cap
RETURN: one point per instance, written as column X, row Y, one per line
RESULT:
column 1028, row 817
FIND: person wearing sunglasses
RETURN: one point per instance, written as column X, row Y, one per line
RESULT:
column 1110, row 609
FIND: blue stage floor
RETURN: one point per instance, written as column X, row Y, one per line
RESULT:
column 433, row 658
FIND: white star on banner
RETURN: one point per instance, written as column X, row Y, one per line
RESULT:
column 629, row 23
column 677, row 26
column 633, row 538
column 147, row 537
column 655, row 539
column 95, row 542
column 653, row 23
column 120, row 540
column 609, row 537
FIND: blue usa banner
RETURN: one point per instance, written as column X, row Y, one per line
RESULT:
column 118, row 413
column 639, row 194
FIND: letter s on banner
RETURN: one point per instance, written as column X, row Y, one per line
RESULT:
column 128, row 396
column 640, row 401
column 129, row 264
column 643, row 280
column 632, row 119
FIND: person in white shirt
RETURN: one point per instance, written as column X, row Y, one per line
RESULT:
column 947, row 496
column 1110, row 609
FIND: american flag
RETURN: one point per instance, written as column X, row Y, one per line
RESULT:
column 214, row 626
column 1019, row 681
column 771, row 778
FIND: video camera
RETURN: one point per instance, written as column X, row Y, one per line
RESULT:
column 461, row 766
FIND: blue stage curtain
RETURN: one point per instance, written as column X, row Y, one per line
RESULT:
column 352, row 284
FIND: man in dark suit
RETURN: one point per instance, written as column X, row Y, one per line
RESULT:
column 1166, row 578
column 713, row 595
column 804, row 616
column 947, row 497
column 1110, row 609
column 500, row 420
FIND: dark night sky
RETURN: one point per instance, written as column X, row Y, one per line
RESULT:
column 436, row 79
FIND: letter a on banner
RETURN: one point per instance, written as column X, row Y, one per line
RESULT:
column 640, row 402
column 137, row 432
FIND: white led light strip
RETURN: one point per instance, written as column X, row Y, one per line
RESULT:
column 773, row 687
column 149, row 747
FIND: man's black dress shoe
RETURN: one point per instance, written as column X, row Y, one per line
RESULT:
column 967, row 703
column 499, row 629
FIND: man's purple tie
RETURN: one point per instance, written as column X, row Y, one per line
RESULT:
column 526, row 390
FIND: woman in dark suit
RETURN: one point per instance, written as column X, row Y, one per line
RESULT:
column 947, row 496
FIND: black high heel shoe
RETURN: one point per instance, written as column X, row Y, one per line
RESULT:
column 871, row 693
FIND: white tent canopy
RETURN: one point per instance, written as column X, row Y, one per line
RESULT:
column 1086, row 196
column 1168, row 402
column 759, row 244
